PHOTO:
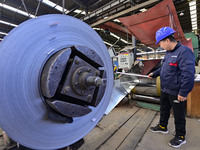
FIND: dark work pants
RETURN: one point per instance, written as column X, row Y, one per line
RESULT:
column 166, row 102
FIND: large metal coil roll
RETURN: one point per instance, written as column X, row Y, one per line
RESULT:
column 56, row 81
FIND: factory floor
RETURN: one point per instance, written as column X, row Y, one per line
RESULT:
column 127, row 128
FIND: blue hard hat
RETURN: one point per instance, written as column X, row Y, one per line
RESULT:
column 163, row 33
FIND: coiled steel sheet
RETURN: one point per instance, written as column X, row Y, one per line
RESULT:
column 23, row 53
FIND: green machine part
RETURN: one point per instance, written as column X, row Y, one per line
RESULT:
column 195, row 43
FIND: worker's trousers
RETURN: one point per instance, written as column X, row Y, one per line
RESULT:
column 166, row 102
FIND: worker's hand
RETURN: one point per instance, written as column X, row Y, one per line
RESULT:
column 150, row 75
column 181, row 98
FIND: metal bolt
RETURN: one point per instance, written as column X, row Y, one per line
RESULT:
column 94, row 81
column 77, row 61
column 83, row 91
column 89, row 97
column 89, row 69
column 76, row 83
column 66, row 89
column 98, row 81
column 79, row 71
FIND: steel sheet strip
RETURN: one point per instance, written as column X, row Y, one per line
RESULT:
column 22, row 54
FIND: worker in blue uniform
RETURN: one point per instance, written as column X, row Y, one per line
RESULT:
column 177, row 80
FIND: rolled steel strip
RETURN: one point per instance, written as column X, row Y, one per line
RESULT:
column 23, row 53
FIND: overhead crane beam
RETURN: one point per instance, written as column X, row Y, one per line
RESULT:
column 134, row 8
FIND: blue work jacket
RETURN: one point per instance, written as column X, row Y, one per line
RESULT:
column 177, row 71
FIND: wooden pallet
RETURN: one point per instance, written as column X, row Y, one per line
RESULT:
column 121, row 129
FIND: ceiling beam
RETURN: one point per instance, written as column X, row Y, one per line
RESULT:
column 110, row 12
column 111, row 4
column 134, row 8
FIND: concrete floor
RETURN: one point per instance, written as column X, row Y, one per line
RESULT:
column 156, row 141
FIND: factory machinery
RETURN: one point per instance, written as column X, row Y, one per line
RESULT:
column 135, row 69
column 134, row 74
column 56, row 81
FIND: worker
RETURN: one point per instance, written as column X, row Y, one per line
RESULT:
column 177, row 80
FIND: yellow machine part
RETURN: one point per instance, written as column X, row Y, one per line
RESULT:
column 158, row 87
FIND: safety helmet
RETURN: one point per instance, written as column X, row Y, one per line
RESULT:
column 163, row 33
